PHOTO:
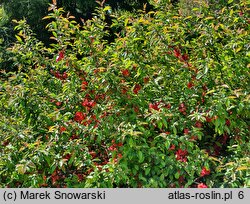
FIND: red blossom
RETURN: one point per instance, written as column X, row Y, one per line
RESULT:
column 181, row 155
column 125, row 72
column 204, row 172
column 177, row 52
column 112, row 148
column 54, row 177
column 193, row 137
column 136, row 109
column 103, row 115
column 84, row 85
column 154, row 106
column 60, row 56
column 79, row 117
column 190, row 85
column 208, row 119
column 198, row 124
column 5, row 143
column 228, row 122
column 137, row 88
column 146, row 79
column 58, row 75
column 62, row 129
column 172, row 147
column 64, row 75
column 204, row 87
column 184, row 57
column 181, row 180
column 80, row 177
column 100, row 96
column 119, row 144
column 182, row 108
column 168, row 106
column 186, row 131
column 88, row 104
column 73, row 137
column 124, row 90
column 58, row 103
column 201, row 185
column 67, row 156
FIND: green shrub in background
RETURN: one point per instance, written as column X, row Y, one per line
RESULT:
column 165, row 105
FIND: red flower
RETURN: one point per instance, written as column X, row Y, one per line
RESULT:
column 198, row 124
column 193, row 137
column 58, row 103
column 168, row 106
column 84, row 85
column 181, row 155
column 67, row 156
column 172, row 147
column 201, row 185
column 137, row 88
column 124, row 90
column 79, row 116
column 190, row 85
column 80, row 177
column 204, row 171
column 136, row 109
column 88, row 104
column 73, row 137
column 64, row 75
column 58, row 75
column 186, row 131
column 119, row 144
column 184, row 57
column 209, row 120
column 146, row 80
column 154, row 106
column 182, row 108
column 112, row 148
column 177, row 52
column 204, row 87
column 125, row 72
column 62, row 129
column 181, row 180
column 228, row 122
column 60, row 56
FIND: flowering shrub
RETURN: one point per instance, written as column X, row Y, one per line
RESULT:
column 165, row 105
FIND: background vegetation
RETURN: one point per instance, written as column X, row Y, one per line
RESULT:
column 126, row 98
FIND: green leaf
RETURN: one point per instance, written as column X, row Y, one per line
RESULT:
column 147, row 171
column 167, row 144
column 18, row 38
column 141, row 157
column 21, row 168
column 177, row 175
column 209, row 18
column 55, row 34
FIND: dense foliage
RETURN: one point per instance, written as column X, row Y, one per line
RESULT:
column 35, row 10
column 164, row 105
